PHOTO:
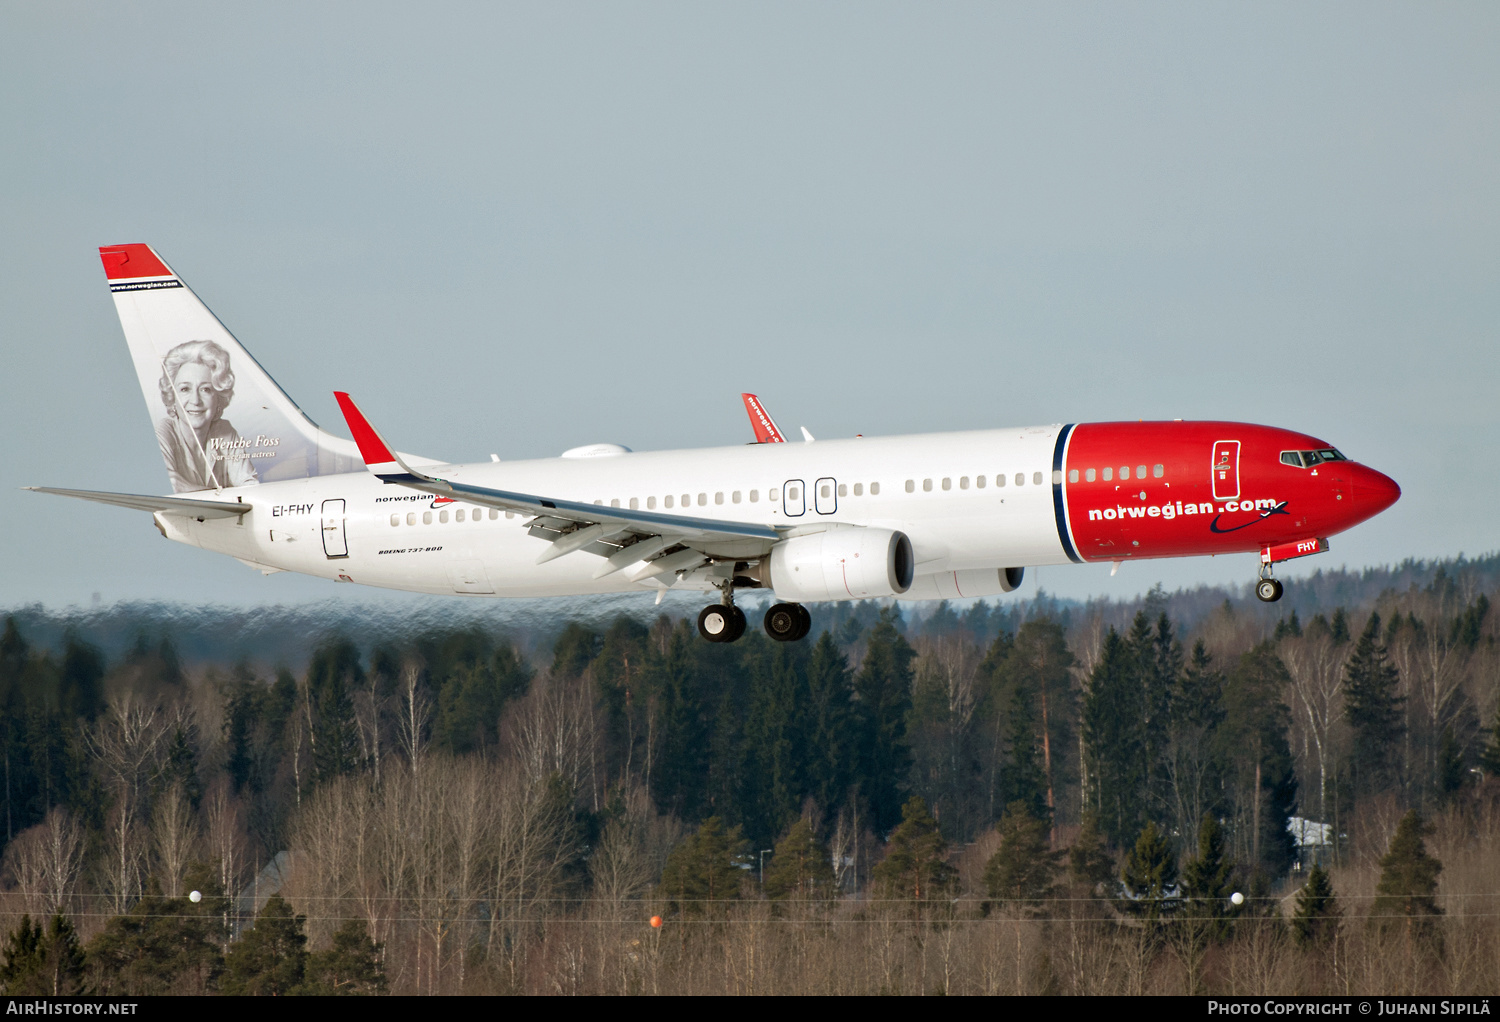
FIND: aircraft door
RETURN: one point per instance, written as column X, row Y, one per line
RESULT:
column 825, row 496
column 793, row 498
column 335, row 543
column 1226, row 469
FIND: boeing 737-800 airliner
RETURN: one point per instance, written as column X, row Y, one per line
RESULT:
column 943, row 515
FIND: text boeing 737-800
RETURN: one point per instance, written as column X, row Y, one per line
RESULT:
column 925, row 517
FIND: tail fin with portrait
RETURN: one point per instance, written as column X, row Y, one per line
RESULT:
column 220, row 419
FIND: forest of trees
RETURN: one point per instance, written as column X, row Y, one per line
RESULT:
column 1029, row 797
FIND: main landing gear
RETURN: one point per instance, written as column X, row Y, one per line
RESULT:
column 1267, row 590
column 788, row 622
column 724, row 622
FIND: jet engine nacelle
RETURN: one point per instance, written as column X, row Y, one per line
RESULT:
column 958, row 585
column 842, row 564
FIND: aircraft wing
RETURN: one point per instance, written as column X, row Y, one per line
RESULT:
column 188, row 507
column 622, row 536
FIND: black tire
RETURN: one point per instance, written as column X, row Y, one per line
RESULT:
column 784, row 622
column 716, row 623
column 1268, row 590
column 737, row 625
column 806, row 625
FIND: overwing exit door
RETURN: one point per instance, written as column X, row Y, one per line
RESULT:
column 1226, row 469
column 335, row 544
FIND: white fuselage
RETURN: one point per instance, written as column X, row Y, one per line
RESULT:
column 927, row 486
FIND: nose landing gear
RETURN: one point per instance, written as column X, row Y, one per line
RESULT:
column 788, row 622
column 1267, row 590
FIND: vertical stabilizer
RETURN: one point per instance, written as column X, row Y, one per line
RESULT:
column 220, row 420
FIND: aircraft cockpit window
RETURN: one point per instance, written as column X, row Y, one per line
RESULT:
column 1292, row 458
column 1329, row 454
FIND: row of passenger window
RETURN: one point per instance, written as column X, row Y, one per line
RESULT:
column 1108, row 473
column 670, row 501
column 476, row 515
column 980, row 482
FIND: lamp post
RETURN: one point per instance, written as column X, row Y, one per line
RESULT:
column 763, row 852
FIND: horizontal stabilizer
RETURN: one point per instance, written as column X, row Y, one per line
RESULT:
column 188, row 507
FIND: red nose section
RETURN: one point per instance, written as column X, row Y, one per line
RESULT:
column 1373, row 491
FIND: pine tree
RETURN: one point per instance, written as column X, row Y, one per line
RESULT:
column 1338, row 628
column 801, row 867
column 1373, row 706
column 23, row 950
column 830, row 749
column 1205, row 878
column 701, row 876
column 350, row 967
column 1023, row 870
column 1316, row 920
column 1489, row 760
column 1149, row 877
column 1089, row 863
column 161, row 946
column 1252, row 744
column 883, row 690
column 333, row 676
column 269, row 958
column 1113, row 734
column 773, row 778
column 1450, row 766
column 1408, row 877
column 915, row 868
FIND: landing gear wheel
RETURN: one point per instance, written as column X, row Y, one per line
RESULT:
column 787, row 622
column 720, row 623
column 806, row 625
column 1268, row 590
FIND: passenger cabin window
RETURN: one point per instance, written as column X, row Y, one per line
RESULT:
column 1036, row 479
column 773, row 495
column 635, row 503
column 1157, row 471
column 411, row 518
column 979, row 482
column 874, row 489
column 443, row 516
column 859, row 489
column 494, row 513
column 1109, row 473
column 926, row 485
column 615, row 502
column 1124, row 472
column 718, row 497
column 1000, row 480
column 843, row 490
column 1140, row 471
column 395, row 519
column 947, row 483
column 755, row 497
column 1088, row 476
column 426, row 517
column 911, row 486
column 703, row 500
column 735, row 496
column 963, row 482
column 1020, row 478
column 650, row 503
column 458, row 515
column 1072, row 475
column 793, row 493
column 687, row 500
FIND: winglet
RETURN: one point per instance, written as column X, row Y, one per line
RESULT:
column 766, row 430
column 380, row 459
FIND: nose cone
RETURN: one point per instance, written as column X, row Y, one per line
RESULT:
column 1373, row 491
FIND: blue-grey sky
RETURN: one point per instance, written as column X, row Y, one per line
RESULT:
column 519, row 228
